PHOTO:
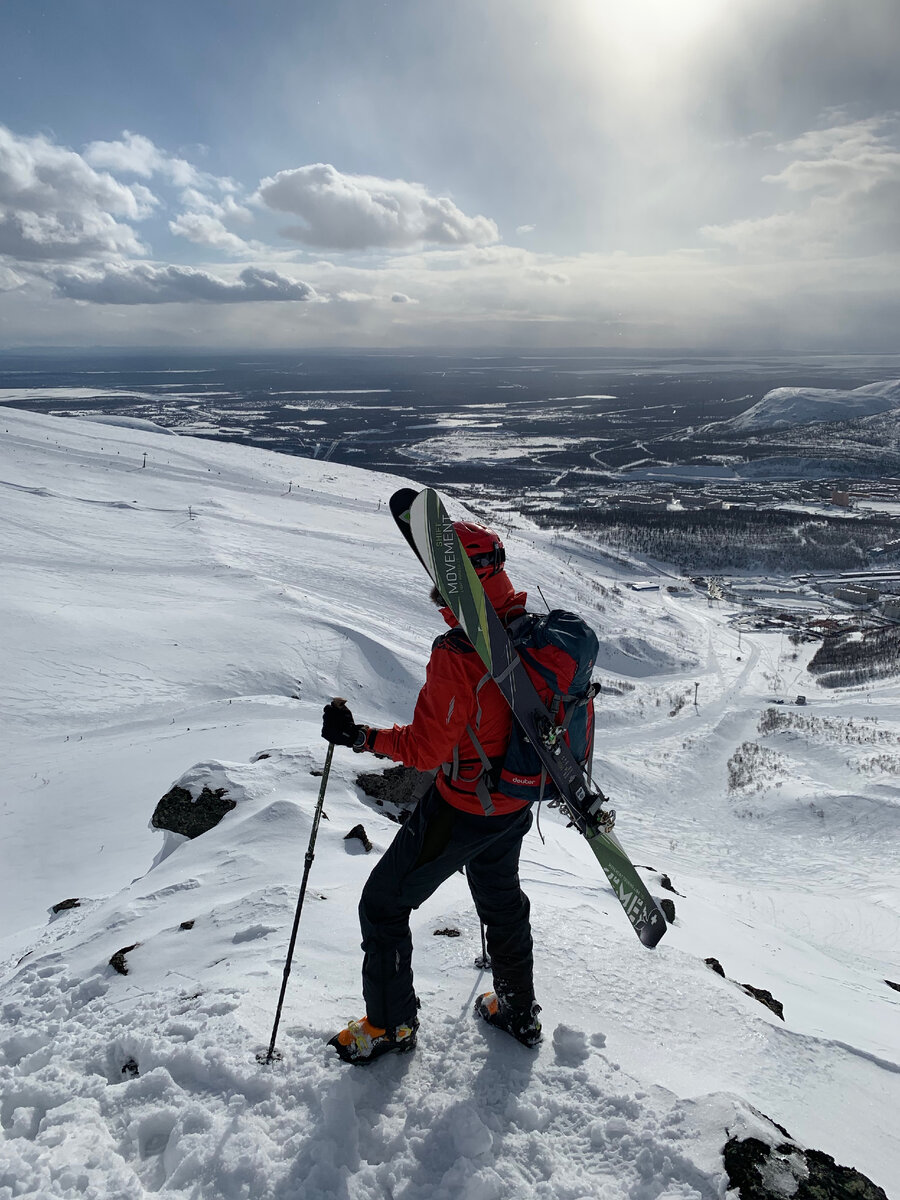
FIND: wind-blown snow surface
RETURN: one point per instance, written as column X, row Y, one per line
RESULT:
column 143, row 642
column 785, row 406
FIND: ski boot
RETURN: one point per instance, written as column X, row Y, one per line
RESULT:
column 361, row 1042
column 522, row 1024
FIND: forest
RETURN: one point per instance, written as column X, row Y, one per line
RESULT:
column 734, row 539
column 845, row 660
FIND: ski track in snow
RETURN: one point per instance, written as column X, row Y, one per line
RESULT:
column 149, row 639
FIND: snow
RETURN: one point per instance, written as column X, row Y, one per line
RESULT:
column 71, row 395
column 127, row 422
column 150, row 644
column 785, row 406
column 466, row 446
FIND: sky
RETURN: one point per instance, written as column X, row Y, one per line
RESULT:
column 707, row 174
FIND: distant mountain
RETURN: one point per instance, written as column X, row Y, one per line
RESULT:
column 786, row 406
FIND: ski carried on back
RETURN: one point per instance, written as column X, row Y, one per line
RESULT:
column 428, row 529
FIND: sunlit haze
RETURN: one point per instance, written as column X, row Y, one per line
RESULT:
column 631, row 173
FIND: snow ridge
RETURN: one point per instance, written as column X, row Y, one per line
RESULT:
column 786, row 406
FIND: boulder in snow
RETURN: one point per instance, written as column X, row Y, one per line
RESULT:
column 359, row 834
column 179, row 812
column 117, row 962
column 397, row 789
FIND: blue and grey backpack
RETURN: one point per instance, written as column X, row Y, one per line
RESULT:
column 558, row 650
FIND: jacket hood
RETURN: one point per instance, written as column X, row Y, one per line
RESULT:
column 501, row 593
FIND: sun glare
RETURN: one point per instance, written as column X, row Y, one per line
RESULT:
column 639, row 26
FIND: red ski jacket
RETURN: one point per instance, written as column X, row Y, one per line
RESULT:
column 450, row 704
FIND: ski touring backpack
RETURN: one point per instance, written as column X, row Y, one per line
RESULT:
column 558, row 650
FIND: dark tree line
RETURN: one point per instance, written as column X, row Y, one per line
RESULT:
column 844, row 660
column 740, row 538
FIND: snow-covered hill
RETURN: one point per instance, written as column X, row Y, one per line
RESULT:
column 786, row 406
column 185, row 616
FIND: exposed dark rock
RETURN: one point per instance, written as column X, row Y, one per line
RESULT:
column 395, row 785
column 891, row 984
column 117, row 962
column 828, row 1180
column 360, row 834
column 744, row 1163
column 668, row 907
column 761, row 994
column 759, row 1171
column 179, row 812
column 666, row 882
column 64, row 904
column 765, row 997
column 448, row 932
column 130, row 1069
column 186, row 925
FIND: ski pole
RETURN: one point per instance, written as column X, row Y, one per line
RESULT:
column 483, row 963
column 271, row 1053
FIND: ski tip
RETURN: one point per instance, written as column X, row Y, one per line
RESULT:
column 401, row 502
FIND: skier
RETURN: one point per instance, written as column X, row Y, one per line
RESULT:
column 459, row 730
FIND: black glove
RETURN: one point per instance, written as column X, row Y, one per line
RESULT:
column 338, row 725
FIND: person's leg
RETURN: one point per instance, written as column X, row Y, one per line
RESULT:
column 505, row 910
column 415, row 864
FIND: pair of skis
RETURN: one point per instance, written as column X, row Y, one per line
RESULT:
column 424, row 522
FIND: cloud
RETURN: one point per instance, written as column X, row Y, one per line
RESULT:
column 54, row 205
column 142, row 283
column 855, row 156
column 9, row 279
column 358, row 212
column 206, row 230
column 135, row 154
column 33, row 237
column 204, row 219
column 197, row 201
column 521, row 230
column 542, row 275
column 844, row 186
column 402, row 298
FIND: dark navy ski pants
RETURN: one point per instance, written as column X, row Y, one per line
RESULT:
column 434, row 843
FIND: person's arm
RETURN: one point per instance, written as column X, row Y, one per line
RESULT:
column 440, row 718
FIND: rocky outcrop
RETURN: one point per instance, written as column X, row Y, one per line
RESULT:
column 180, row 812
column 395, row 789
column 759, row 1171
column 763, row 995
column 117, row 962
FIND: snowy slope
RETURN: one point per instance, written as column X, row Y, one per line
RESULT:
column 785, row 406
column 148, row 640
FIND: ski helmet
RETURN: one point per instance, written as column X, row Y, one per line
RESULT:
column 483, row 546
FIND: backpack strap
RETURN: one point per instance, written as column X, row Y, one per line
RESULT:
column 451, row 769
column 481, row 789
